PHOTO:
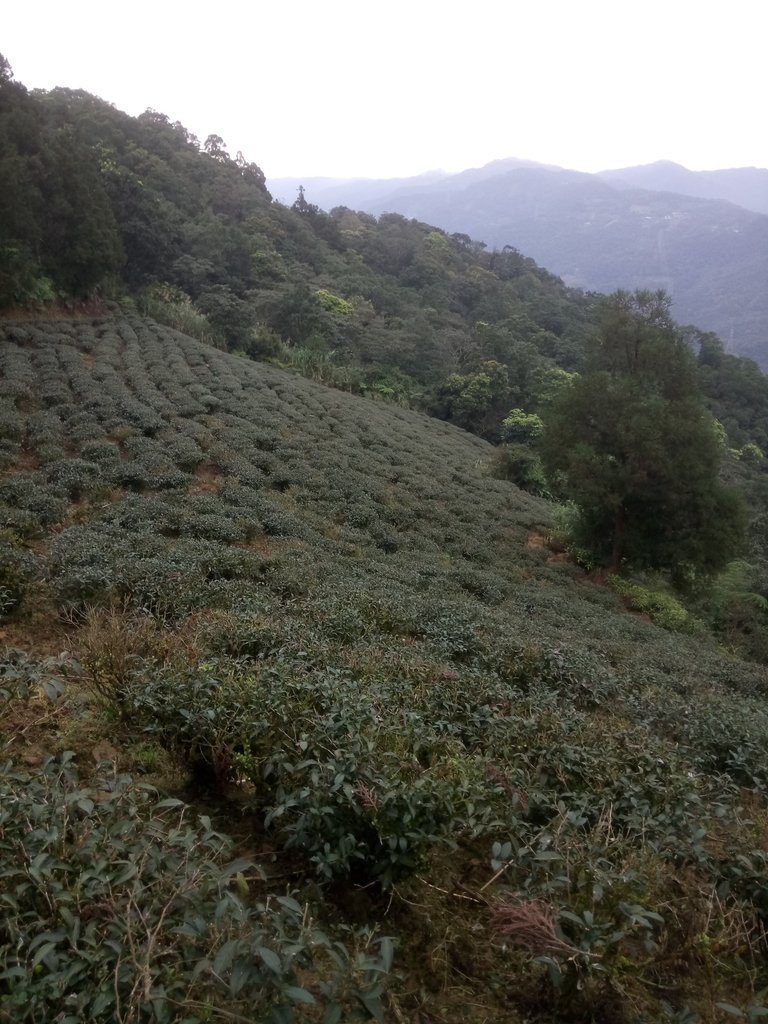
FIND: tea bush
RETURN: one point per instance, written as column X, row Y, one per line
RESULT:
column 115, row 907
column 331, row 777
column 29, row 492
column 75, row 477
column 18, row 568
column 330, row 614
column 100, row 452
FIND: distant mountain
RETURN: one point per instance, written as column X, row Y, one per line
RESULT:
column 745, row 186
column 330, row 192
column 604, row 231
column 334, row 191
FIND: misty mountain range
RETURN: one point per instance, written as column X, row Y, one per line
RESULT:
column 701, row 235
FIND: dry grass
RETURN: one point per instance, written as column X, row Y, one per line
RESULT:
column 529, row 925
column 109, row 644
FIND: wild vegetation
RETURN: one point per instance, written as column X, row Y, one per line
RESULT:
column 634, row 447
column 96, row 203
column 702, row 236
column 463, row 780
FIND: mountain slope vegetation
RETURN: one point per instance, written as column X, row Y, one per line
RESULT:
column 387, row 306
column 308, row 712
column 600, row 232
column 473, row 783
column 140, row 209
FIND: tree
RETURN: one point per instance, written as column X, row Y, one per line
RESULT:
column 475, row 401
column 6, row 71
column 216, row 148
column 630, row 442
column 228, row 314
column 303, row 207
column 521, row 427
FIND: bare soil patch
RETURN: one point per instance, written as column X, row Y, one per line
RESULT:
column 209, row 479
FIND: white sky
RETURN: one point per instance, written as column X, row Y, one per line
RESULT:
column 378, row 89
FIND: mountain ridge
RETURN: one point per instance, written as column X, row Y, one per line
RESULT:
column 743, row 186
column 729, row 184
column 603, row 231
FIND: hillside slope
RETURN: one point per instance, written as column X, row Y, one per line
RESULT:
column 95, row 204
column 320, row 613
column 601, row 234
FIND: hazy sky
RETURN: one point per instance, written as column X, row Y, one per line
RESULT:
column 365, row 87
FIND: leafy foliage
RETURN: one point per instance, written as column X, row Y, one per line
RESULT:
column 117, row 908
column 664, row 609
column 359, row 647
column 633, row 446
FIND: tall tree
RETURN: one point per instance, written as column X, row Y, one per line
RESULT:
column 631, row 443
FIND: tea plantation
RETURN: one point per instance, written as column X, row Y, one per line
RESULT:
column 303, row 720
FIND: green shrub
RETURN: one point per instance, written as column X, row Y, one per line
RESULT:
column 30, row 492
column 331, row 777
column 663, row 609
column 521, row 428
column 18, row 568
column 101, row 452
column 76, row 477
column 116, row 907
column 171, row 306
column 19, row 523
column 519, row 464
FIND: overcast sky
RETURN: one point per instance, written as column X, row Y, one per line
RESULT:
column 378, row 89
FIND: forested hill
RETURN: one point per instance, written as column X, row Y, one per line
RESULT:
column 96, row 203
column 643, row 228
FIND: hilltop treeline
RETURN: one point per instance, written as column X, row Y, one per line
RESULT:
column 94, row 202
